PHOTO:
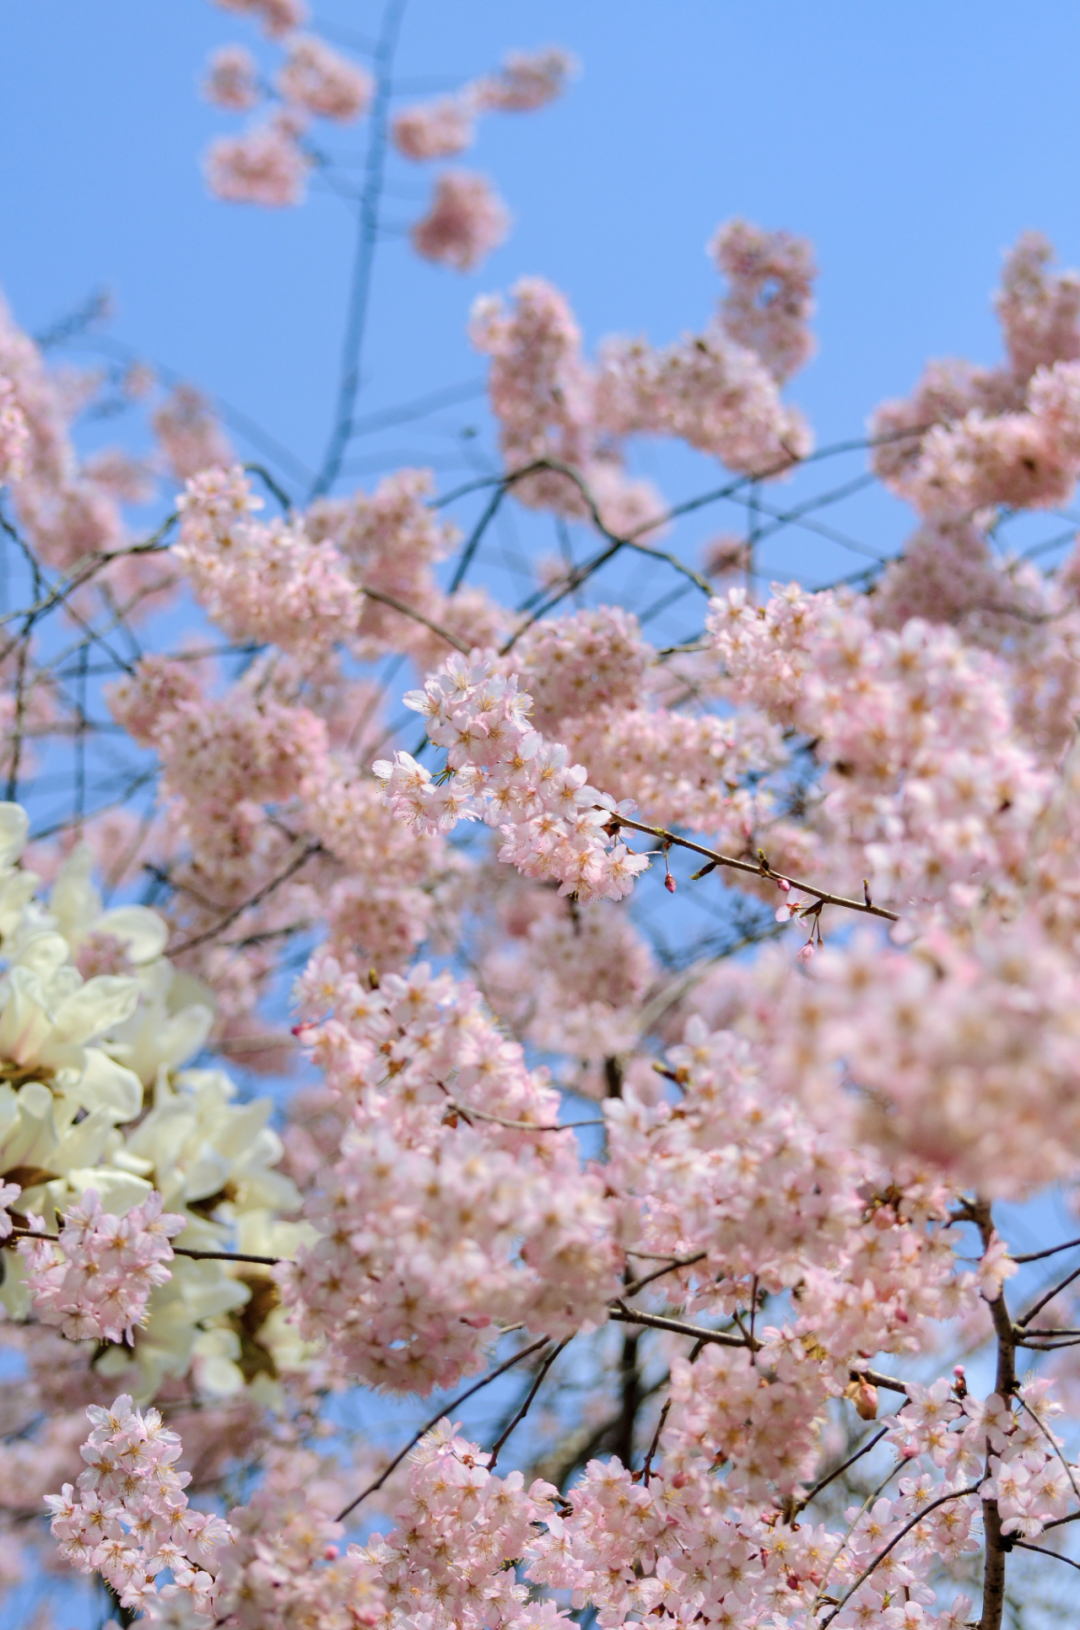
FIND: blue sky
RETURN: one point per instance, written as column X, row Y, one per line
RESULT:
column 911, row 143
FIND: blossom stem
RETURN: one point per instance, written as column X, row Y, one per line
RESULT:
column 178, row 1250
column 759, row 868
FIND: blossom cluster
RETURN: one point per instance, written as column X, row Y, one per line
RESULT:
column 770, row 294
column 268, row 583
column 14, row 433
column 465, row 221
column 544, row 396
column 445, row 127
column 969, row 437
column 96, row 1281
column 554, row 825
column 924, row 777
column 129, row 1518
column 455, row 1204
column 270, row 162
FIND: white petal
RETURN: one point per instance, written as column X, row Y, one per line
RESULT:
column 14, row 828
column 143, row 932
column 105, row 1083
column 96, row 1007
column 74, row 900
column 119, row 1191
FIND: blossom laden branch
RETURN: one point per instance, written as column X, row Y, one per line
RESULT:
column 177, row 1250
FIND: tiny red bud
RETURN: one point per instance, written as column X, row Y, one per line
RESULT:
column 669, row 883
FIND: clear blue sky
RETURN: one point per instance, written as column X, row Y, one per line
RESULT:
column 910, row 142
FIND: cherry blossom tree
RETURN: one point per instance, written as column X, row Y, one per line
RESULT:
column 656, row 1206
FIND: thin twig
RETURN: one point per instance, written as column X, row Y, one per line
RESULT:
column 417, row 616
column 913, row 1522
column 366, row 244
column 527, row 1405
column 249, row 904
column 178, row 1250
column 1051, row 1250
column 1041, row 1550
column 812, row 1494
column 759, row 868
column 1054, row 1446
column 1026, row 1318
column 447, row 1409
column 621, row 1314
column 658, row 1273
column 470, row 1112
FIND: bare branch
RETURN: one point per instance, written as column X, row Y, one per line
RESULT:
column 447, row 1409
column 758, row 868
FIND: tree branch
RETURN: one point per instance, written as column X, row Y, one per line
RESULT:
column 447, row 1409
column 758, row 868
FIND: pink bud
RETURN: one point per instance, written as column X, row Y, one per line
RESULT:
column 669, row 883
column 783, row 884
column 330, row 1553
column 806, row 954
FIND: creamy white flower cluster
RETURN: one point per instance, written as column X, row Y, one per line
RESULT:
column 96, row 1028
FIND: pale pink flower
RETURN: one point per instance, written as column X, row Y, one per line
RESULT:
column 232, row 79
column 277, row 17
column 321, row 82
column 439, row 129
column 526, row 81
column 265, row 166
column 465, row 222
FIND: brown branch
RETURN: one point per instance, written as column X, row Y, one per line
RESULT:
column 469, row 1112
column 646, row 1470
column 993, row 1603
column 447, row 1409
column 17, row 732
column 621, row 1314
column 417, row 617
column 1055, row 1448
column 582, row 573
column 887, row 1383
column 804, row 1500
column 1041, row 1550
column 669, row 1267
column 249, row 904
column 1026, row 1318
column 178, row 1250
column 87, row 568
column 530, row 1396
column 757, row 868
column 1051, row 1250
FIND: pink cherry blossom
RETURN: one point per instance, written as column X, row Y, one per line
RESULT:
column 232, row 80
column 464, row 223
column 265, row 166
column 319, row 81
column 96, row 1281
